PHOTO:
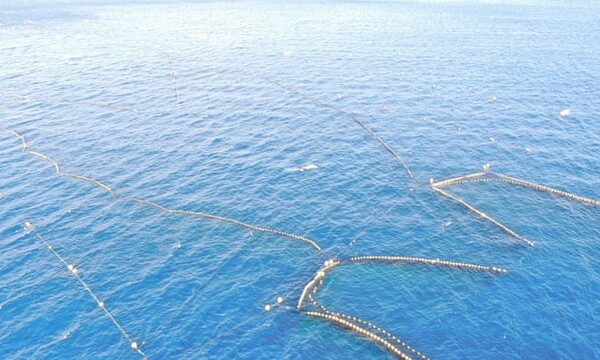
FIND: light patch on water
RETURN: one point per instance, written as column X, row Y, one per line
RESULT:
column 301, row 168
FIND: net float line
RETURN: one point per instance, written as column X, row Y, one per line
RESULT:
column 224, row 219
column 91, row 181
column 75, row 272
column 28, row 99
column 112, row 192
column 500, row 178
column 353, row 117
column 361, row 331
column 332, row 263
column 539, row 187
column 18, row 136
column 426, row 261
column 59, row 172
column 378, row 330
column 483, row 215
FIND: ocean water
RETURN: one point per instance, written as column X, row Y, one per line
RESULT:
column 197, row 106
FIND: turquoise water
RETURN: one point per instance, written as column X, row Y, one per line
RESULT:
column 449, row 85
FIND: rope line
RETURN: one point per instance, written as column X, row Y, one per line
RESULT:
column 353, row 117
column 173, row 72
column 108, row 189
column 75, row 272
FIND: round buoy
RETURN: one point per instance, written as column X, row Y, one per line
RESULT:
column 267, row 307
column 134, row 345
column 280, row 300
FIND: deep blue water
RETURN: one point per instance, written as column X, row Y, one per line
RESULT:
column 437, row 80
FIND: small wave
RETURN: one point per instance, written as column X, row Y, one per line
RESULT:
column 302, row 168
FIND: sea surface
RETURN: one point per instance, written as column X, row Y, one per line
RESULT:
column 213, row 106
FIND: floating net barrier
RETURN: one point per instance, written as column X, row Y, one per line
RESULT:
column 112, row 192
column 483, row 215
column 392, row 341
column 75, row 272
column 29, row 99
column 363, row 327
column 361, row 331
column 227, row 220
column 487, row 176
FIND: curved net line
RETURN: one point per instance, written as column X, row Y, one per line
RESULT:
column 361, row 322
column 374, row 328
column 331, row 264
column 359, row 330
column 91, row 181
column 362, row 327
column 335, row 108
column 353, row 117
column 107, row 188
